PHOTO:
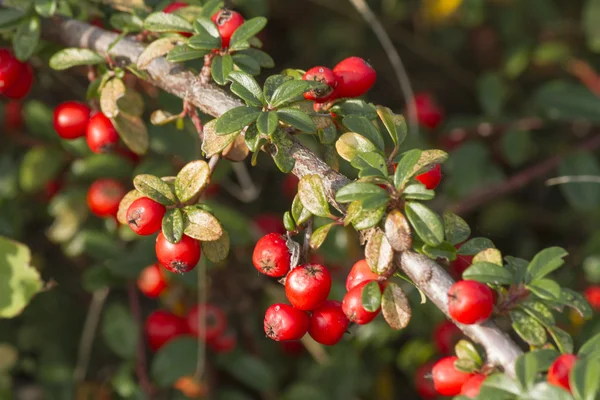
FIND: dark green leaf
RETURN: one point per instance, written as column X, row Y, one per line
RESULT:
column 575, row 300
column 417, row 191
column 475, row 245
column 119, row 331
column 538, row 311
column 236, row 119
column 493, row 93
column 528, row 328
column 288, row 222
column 272, row 83
column 355, row 107
column 211, row 7
column 155, row 188
column 246, row 63
column 395, row 124
column 39, row 166
column 72, row 57
column 204, row 41
column 312, row 195
column 405, row 168
column 358, row 191
column 526, row 369
column 127, row 22
column 300, row 214
column 172, row 225
column 364, row 127
column 580, row 195
column 563, row 340
column 246, row 87
column 9, row 17
column 184, row 53
column 253, row 139
column 163, row 22
column 590, row 347
column 283, row 159
column 363, row 218
column 546, row 289
column 443, row 250
column 206, row 25
column 220, row 68
column 545, row 262
column 371, row 296
column 350, row 144
column 291, row 91
column 216, row 250
column 253, row 372
column 545, row 391
column 370, row 160
column 248, row 29
column 319, row 235
column 267, row 122
column 456, row 229
column 297, row 119
column 488, row 273
column 395, row 307
column 27, row 38
column 174, row 360
column 425, row 222
column 263, row 59
column 567, row 101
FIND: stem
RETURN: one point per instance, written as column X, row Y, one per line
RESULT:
column 140, row 366
column 306, row 244
column 201, row 300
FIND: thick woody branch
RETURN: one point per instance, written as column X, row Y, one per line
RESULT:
column 212, row 100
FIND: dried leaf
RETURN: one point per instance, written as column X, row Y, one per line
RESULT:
column 112, row 91
column 395, row 307
column 156, row 49
column 397, row 231
column 216, row 250
column 379, row 253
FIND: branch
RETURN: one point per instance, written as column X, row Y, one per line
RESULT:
column 140, row 364
column 210, row 99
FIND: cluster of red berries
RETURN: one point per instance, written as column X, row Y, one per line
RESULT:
column 16, row 77
column 351, row 77
column 449, row 381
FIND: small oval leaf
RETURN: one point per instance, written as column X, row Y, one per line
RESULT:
column 379, row 253
column 172, row 225
column 397, row 231
column 395, row 307
column 216, row 250
column 201, row 225
column 155, row 188
column 191, row 180
column 312, row 195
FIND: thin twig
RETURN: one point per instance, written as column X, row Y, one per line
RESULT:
column 573, row 179
column 140, row 367
column 201, row 299
column 89, row 333
column 213, row 161
column 306, row 244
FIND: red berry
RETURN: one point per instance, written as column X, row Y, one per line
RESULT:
column 71, row 119
column 21, row 87
column 290, row 186
column 13, row 116
column 360, row 273
column 178, row 257
column 207, row 321
column 145, row 215
column 558, row 374
column 429, row 114
column 458, row 266
column 101, row 135
column 447, row 380
column 10, row 69
column 445, row 336
column 431, row 179
column 151, row 281
column 470, row 302
column 353, row 307
column 227, row 22
column 271, row 255
column 284, row 322
column 161, row 327
column 328, row 323
column 592, row 295
column 307, row 286
column 104, row 196
column 174, row 6
column 471, row 387
column 325, row 76
column 355, row 77
column 51, row 188
column 267, row 223
column 423, row 382
column 224, row 343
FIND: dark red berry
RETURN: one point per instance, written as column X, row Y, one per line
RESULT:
column 174, row 6
column 227, row 22
column 470, row 302
column 307, row 286
column 13, row 116
column 447, row 380
column 151, row 281
column 161, row 327
column 353, row 307
column 145, row 215
column 225, row 342
column 51, row 188
column 445, row 336
column 268, row 223
column 10, row 69
column 471, row 387
column 431, row 179
column 104, row 196
column 178, row 257
column 271, row 255
column 292, row 348
column 328, row 323
column 21, row 87
column 360, row 273
column 71, row 119
column 206, row 321
column 355, row 77
column 424, row 383
column 97, row 21
column 429, row 114
column 558, row 374
column 101, row 135
column 458, row 266
column 284, row 322
column 592, row 295
column 290, row 186
column 325, row 76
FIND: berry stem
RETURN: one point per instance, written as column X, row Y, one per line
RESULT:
column 306, row 244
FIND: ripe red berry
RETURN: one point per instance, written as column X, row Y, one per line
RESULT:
column 13, row 116
column 284, row 322
column 328, row 323
column 145, row 215
column 10, row 69
column 471, row 387
column 207, row 321
column 290, row 186
column 360, row 273
column 161, row 327
column 151, row 281
column 104, row 196
column 225, row 342
column 424, row 383
column 307, row 286
column 355, row 77
column 447, row 380
column 21, row 87
column 558, row 374
column 227, row 22
column 592, row 295
column 174, row 6
column 470, row 302
column 271, row 255
column 101, row 135
column 71, row 119
column 268, row 223
column 431, row 179
column 353, row 307
column 445, row 336
column 429, row 114
column 458, row 266
column 325, row 76
column 179, row 257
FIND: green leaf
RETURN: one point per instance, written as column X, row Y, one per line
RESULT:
column 563, row 340
column 191, row 180
column 456, row 229
column 183, row 53
column 9, row 17
column 73, row 57
column 300, row 214
column 359, row 191
column 119, row 331
column 283, row 158
column 27, row 38
column 246, row 63
column 567, row 101
column 288, row 222
column 127, row 22
column 156, row 49
column 131, row 103
column 590, row 347
column 576, row 301
column 204, row 41
column 493, row 93
column 417, row 191
column 319, row 235
column 501, row 382
column 245, row 31
column 395, row 124
column 370, row 161
column 465, row 350
column 111, row 92
column 291, row 91
column 132, row 130
column 297, row 119
column 517, row 146
column 475, row 246
column 172, row 225
column 582, row 196
column 546, row 289
column 442, row 250
column 395, row 307
column 545, row 391
column 355, row 107
column 206, row 25
column 200, row 224
column 545, row 262
column 350, row 144
column 371, row 296
column 526, row 369
column 213, row 143
column 155, row 188
column 363, row 218
column 364, row 127
column 39, row 166
column 216, row 250
column 379, row 253
column 272, row 83
column 251, row 371
column 220, row 68
column 263, row 59
column 245, row 87
column 267, row 122
column 312, row 195
column 467, row 366
column 528, row 328
column 253, row 138
column 589, row 22
column 486, row 272
column 538, row 311
column 20, row 281
column 163, row 22
column 211, row 7
column 175, row 359
column 405, row 168
column 425, row 222
column 236, row 119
